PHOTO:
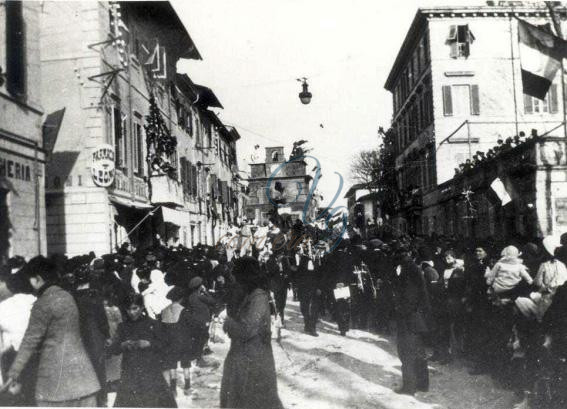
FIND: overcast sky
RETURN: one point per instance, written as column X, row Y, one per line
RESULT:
column 253, row 51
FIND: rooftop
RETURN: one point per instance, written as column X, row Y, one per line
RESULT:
column 170, row 26
column 419, row 23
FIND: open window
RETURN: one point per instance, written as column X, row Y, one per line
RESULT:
column 460, row 39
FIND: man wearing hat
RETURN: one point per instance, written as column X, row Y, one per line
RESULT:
column 94, row 326
column 194, row 326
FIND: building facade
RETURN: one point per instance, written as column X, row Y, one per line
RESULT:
column 364, row 211
column 289, row 186
column 208, row 166
column 119, row 168
column 22, row 154
column 457, row 91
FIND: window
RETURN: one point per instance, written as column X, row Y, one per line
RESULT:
column 138, row 141
column 185, row 171
column 189, row 122
column 180, row 114
column 460, row 38
column 538, row 106
column 122, row 141
column 174, row 163
column 198, row 132
column 209, row 135
column 460, row 100
column 116, row 134
column 15, row 49
column 194, row 186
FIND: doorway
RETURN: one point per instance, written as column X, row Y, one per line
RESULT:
column 4, row 227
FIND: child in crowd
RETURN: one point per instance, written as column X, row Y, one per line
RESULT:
column 140, row 341
column 170, row 318
column 507, row 274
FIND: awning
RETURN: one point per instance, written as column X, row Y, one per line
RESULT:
column 176, row 217
column 129, row 203
column 50, row 129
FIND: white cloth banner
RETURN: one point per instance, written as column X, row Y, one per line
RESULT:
column 498, row 186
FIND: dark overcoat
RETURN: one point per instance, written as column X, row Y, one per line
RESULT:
column 249, row 376
column 141, row 380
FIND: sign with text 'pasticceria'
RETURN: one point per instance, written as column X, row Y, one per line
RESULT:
column 102, row 166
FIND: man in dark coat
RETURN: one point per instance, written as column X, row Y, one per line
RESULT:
column 195, row 318
column 411, row 309
column 338, row 271
column 363, row 290
column 309, row 293
column 279, row 281
column 478, row 309
column 554, row 326
column 94, row 327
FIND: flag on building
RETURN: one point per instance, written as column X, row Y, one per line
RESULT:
column 498, row 187
column 157, row 62
column 540, row 58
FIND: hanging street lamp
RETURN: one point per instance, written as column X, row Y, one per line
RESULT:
column 305, row 95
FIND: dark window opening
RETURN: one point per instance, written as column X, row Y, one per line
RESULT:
column 460, row 39
column 15, row 49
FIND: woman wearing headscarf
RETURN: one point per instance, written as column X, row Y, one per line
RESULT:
column 552, row 273
column 249, row 376
column 506, row 276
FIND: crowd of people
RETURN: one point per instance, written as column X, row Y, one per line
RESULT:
column 127, row 322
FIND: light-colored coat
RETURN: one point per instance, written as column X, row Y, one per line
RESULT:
column 65, row 371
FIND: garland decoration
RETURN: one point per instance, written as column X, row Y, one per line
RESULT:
column 160, row 142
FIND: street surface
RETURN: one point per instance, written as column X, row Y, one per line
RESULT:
column 359, row 371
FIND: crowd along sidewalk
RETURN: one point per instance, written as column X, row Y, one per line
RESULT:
column 359, row 371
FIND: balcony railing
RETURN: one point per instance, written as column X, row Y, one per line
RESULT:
column 166, row 190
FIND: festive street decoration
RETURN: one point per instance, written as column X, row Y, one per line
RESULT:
column 120, row 33
column 160, row 143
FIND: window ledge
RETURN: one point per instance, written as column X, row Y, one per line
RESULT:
column 23, row 102
column 464, row 140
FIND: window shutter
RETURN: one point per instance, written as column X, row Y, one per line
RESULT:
column 475, row 103
column 117, row 136
column 454, row 51
column 470, row 36
column 528, row 104
column 194, row 180
column 15, row 49
column 187, row 181
column 183, row 166
column 447, row 101
column 553, row 99
column 452, row 33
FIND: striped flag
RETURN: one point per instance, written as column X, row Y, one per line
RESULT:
column 540, row 57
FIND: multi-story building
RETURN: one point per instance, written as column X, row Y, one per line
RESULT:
column 119, row 166
column 457, row 89
column 289, row 185
column 208, row 165
column 22, row 154
column 364, row 210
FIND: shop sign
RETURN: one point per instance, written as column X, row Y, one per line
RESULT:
column 14, row 169
column 102, row 166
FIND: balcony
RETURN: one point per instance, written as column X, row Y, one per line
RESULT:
column 166, row 190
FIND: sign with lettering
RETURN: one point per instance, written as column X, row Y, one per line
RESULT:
column 102, row 166
column 15, row 169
